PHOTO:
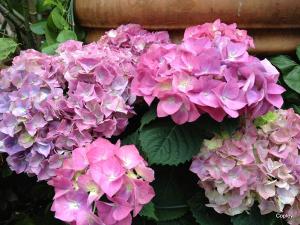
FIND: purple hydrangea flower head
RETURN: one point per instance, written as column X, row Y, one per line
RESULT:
column 29, row 92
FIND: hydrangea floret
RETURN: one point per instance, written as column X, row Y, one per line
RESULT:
column 102, row 183
column 29, row 93
column 258, row 163
column 210, row 72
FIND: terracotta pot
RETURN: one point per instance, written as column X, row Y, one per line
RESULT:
column 274, row 24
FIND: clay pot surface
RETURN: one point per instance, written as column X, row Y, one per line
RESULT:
column 274, row 24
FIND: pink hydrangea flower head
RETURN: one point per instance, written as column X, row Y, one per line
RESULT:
column 209, row 72
column 112, row 178
column 99, row 101
column 260, row 162
column 134, row 37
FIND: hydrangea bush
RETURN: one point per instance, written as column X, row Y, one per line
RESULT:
column 63, row 119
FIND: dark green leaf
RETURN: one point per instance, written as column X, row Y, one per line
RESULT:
column 185, row 220
column 149, row 211
column 131, row 139
column 284, row 63
column 41, row 7
column 254, row 217
column 292, row 79
column 205, row 215
column 39, row 27
column 167, row 143
column 296, row 108
column 65, row 35
column 50, row 49
column 149, row 116
column 173, row 188
column 7, row 47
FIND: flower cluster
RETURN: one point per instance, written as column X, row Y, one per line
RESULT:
column 103, row 176
column 133, row 37
column 209, row 72
column 29, row 90
column 99, row 75
column 260, row 163
column 51, row 105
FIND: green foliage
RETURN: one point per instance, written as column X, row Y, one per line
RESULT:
column 292, row 79
column 173, row 186
column 7, row 47
column 149, row 116
column 205, row 215
column 49, row 23
column 23, row 200
column 149, row 211
column 167, row 143
column 185, row 220
column 39, row 27
column 254, row 217
column 289, row 78
column 65, row 35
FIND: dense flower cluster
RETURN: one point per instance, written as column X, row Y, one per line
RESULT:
column 99, row 74
column 51, row 105
column 133, row 37
column 103, row 176
column 29, row 91
column 260, row 163
column 209, row 72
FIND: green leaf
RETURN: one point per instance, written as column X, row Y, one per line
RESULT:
column 149, row 211
column 50, row 49
column 7, row 47
column 167, row 143
column 254, row 217
column 58, row 20
column 131, row 139
column 296, row 108
column 173, row 188
column 292, row 79
column 149, row 116
column 205, row 215
column 65, row 35
column 181, row 221
column 39, row 27
column 284, row 63
column 298, row 52
column 50, row 36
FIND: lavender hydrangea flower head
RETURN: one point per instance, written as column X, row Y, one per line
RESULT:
column 258, row 163
column 29, row 91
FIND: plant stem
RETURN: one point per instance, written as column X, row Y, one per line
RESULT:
column 30, row 39
column 12, row 18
